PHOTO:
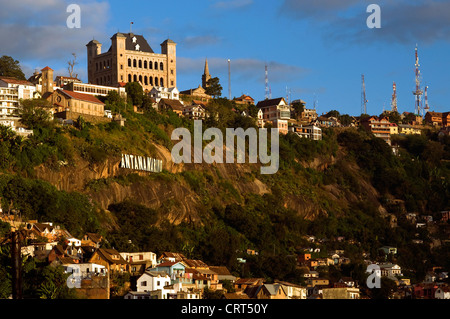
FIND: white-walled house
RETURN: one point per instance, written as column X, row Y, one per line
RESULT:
column 152, row 280
column 85, row 269
column 159, row 92
column 390, row 270
column 140, row 257
column 442, row 293
column 74, row 242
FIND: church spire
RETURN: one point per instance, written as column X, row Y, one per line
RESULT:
column 206, row 76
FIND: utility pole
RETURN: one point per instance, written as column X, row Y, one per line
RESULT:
column 16, row 266
column 229, row 80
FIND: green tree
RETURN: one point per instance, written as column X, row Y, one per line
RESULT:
column 213, row 87
column 333, row 113
column 135, row 93
column 298, row 107
column 34, row 112
column 11, row 67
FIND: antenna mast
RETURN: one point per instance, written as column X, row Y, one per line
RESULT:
column 363, row 96
column 394, row 98
column 267, row 83
column 418, row 92
column 427, row 107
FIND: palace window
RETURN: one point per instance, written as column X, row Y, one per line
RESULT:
column 129, row 62
column 134, row 63
column 161, row 66
column 156, row 65
column 140, row 64
column 145, row 64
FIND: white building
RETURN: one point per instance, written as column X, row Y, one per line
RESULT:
column 277, row 112
column 152, row 280
column 442, row 293
column 390, row 270
column 11, row 92
column 194, row 112
column 159, row 92
column 85, row 270
column 311, row 132
column 74, row 242
column 140, row 257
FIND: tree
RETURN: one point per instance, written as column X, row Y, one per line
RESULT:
column 333, row 113
column 409, row 118
column 71, row 65
column 34, row 112
column 213, row 87
column 10, row 67
column 135, row 93
column 394, row 117
column 298, row 107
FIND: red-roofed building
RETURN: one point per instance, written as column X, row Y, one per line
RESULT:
column 78, row 103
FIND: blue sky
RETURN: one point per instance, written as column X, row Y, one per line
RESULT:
column 313, row 49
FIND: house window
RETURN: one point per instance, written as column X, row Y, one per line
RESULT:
column 143, row 283
column 157, row 283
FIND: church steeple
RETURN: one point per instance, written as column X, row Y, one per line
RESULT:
column 206, row 76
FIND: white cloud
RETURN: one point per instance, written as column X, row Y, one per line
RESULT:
column 37, row 30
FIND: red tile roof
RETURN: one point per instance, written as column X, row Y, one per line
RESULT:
column 82, row 96
column 15, row 81
column 46, row 68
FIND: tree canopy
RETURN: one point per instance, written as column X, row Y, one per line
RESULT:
column 213, row 87
column 10, row 67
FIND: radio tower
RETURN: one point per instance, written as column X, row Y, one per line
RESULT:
column 427, row 107
column 267, row 84
column 418, row 92
column 363, row 96
column 394, row 98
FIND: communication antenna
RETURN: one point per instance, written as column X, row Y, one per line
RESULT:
column 394, row 98
column 427, row 107
column 267, row 88
column 418, row 92
column 363, row 96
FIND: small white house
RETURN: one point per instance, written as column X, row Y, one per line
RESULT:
column 74, row 242
column 390, row 270
column 85, row 269
column 442, row 293
column 140, row 257
column 159, row 92
column 152, row 280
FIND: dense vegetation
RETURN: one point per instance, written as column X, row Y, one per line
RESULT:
column 233, row 221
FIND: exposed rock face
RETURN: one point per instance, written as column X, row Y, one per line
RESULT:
column 174, row 199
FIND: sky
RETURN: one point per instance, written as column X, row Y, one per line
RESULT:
column 315, row 50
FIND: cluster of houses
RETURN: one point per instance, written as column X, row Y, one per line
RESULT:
column 174, row 276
